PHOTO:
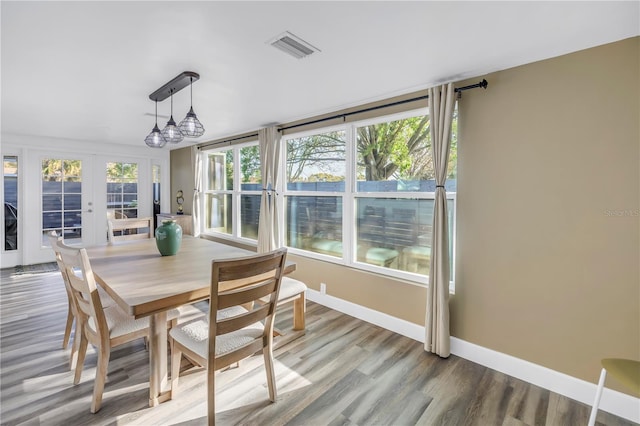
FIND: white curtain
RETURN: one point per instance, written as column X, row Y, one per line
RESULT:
column 196, row 165
column 268, row 233
column 437, row 338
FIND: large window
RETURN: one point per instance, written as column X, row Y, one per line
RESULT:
column 394, row 193
column 315, row 181
column 360, row 194
column 232, row 194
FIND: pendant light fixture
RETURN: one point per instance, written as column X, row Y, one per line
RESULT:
column 155, row 138
column 171, row 132
column 190, row 126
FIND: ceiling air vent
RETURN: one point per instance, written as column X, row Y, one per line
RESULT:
column 293, row 45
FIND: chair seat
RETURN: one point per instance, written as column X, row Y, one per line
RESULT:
column 120, row 323
column 288, row 288
column 626, row 371
column 195, row 334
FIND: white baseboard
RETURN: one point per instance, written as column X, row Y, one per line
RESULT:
column 614, row 402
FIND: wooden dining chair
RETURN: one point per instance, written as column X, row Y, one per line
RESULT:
column 72, row 311
column 102, row 327
column 232, row 332
column 129, row 229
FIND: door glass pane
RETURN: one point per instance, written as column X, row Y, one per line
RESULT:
column 10, row 178
column 61, row 198
column 122, row 190
column 156, row 194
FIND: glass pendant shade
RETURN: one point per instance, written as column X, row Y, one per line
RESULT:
column 171, row 132
column 191, row 126
column 155, row 138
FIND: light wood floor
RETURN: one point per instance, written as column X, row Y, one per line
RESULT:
column 342, row 372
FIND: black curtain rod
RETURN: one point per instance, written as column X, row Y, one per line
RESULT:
column 482, row 84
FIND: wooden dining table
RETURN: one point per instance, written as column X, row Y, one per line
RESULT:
column 145, row 284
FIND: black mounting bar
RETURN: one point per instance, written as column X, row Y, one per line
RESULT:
column 180, row 82
column 482, row 84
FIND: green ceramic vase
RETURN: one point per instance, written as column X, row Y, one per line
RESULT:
column 168, row 237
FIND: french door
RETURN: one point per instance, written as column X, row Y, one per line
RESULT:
column 60, row 195
column 73, row 194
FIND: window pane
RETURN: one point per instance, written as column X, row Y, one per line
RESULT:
column 317, row 163
column 220, row 173
column 72, row 202
column 156, row 194
column 71, row 168
column 218, row 213
column 388, row 226
column 72, row 219
column 249, row 216
column 122, row 190
column 315, row 224
column 51, row 185
column 397, row 156
column 250, row 168
column 396, row 233
column 10, row 179
column 51, row 168
column 51, row 220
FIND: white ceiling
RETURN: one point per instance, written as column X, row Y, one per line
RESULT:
column 84, row 70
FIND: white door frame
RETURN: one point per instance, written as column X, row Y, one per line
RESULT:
column 34, row 250
column 13, row 257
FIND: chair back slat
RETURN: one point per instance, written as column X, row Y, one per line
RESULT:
column 241, row 321
column 245, row 269
column 240, row 297
column 130, row 229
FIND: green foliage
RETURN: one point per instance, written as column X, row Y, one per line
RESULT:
column 55, row 170
column 250, row 164
column 122, row 172
column 324, row 177
column 395, row 150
